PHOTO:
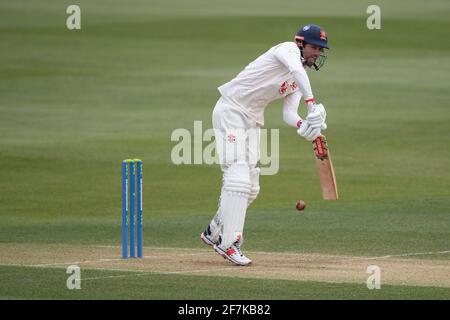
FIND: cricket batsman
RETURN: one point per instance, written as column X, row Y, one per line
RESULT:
column 279, row 73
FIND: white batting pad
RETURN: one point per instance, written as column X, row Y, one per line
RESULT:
column 216, row 226
column 233, row 202
column 254, row 179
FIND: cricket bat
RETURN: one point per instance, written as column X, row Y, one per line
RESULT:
column 325, row 169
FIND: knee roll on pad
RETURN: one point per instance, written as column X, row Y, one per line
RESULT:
column 238, row 186
column 237, row 179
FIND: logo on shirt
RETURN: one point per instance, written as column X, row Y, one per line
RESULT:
column 285, row 86
column 231, row 138
column 293, row 85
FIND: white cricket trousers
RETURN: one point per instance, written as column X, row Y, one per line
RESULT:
column 237, row 145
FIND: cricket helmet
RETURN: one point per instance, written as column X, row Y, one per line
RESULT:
column 312, row 34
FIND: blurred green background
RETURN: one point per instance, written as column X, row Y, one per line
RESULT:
column 73, row 104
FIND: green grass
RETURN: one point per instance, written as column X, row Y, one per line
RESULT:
column 367, row 230
column 51, row 284
column 73, row 104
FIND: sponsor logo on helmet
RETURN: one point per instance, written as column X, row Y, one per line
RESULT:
column 323, row 35
column 305, row 28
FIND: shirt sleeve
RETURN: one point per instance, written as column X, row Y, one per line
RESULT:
column 290, row 109
column 289, row 55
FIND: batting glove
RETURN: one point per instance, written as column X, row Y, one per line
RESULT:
column 316, row 115
column 307, row 131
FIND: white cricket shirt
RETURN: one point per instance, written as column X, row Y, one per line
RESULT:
column 267, row 78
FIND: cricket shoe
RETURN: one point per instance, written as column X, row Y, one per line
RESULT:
column 206, row 237
column 233, row 254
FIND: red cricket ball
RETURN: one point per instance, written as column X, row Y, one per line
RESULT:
column 300, row 205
